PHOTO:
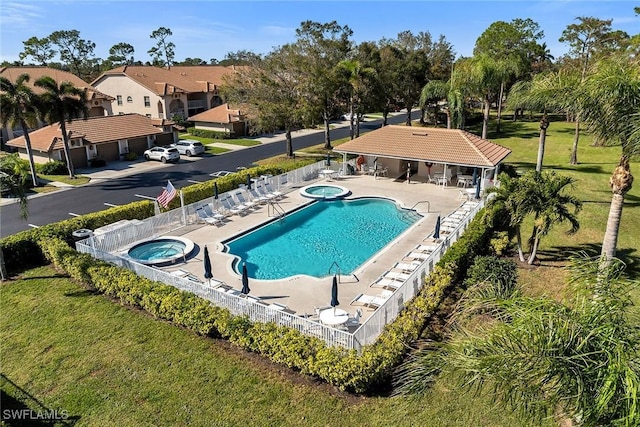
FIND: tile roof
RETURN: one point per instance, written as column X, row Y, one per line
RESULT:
column 93, row 130
column 220, row 114
column 59, row 76
column 435, row 145
column 176, row 79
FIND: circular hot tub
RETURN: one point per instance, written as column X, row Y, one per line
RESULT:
column 162, row 250
column 324, row 191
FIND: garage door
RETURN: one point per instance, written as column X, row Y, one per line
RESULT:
column 108, row 151
column 164, row 139
column 78, row 157
column 138, row 145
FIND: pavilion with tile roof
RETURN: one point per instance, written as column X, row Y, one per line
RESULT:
column 221, row 119
column 426, row 152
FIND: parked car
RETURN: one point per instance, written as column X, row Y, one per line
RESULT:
column 164, row 154
column 189, row 147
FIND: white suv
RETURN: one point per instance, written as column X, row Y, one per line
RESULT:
column 164, row 154
column 189, row 147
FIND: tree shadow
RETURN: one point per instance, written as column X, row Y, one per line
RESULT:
column 627, row 255
column 20, row 408
column 82, row 293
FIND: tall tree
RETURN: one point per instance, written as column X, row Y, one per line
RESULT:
column 269, row 88
column 18, row 106
column 432, row 93
column 321, row 48
column 609, row 104
column 75, row 52
column 541, row 358
column 512, row 45
column 40, row 50
column 357, row 76
column 121, row 54
column 163, row 52
column 587, row 38
column 62, row 103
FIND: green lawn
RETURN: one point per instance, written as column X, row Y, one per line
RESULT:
column 111, row 365
column 207, row 141
column 78, row 180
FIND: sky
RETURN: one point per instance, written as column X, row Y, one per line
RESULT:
column 210, row 29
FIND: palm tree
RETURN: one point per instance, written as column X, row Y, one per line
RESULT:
column 549, row 202
column 482, row 75
column 546, row 92
column 543, row 358
column 609, row 107
column 17, row 106
column 508, row 203
column 357, row 76
column 61, row 103
column 13, row 178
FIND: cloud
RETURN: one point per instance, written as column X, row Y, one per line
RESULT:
column 20, row 14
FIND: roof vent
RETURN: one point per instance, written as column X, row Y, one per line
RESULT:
column 419, row 134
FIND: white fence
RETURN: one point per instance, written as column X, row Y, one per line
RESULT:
column 108, row 246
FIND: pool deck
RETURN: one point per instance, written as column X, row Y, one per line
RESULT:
column 304, row 293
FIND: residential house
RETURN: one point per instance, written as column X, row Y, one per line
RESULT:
column 98, row 103
column 107, row 138
column 221, row 119
column 177, row 91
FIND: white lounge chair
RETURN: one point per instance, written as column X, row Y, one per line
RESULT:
column 426, row 248
column 386, row 283
column 227, row 205
column 242, row 202
column 262, row 191
column 418, row 256
column 211, row 214
column 278, row 194
column 368, row 301
column 257, row 197
column 203, row 217
column 406, row 266
column 396, row 275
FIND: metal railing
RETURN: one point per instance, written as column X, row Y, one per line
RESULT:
column 109, row 247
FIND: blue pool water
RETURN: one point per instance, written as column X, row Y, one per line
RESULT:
column 157, row 250
column 309, row 240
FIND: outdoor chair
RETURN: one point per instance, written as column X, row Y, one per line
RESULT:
column 242, row 202
column 355, row 320
column 203, row 217
column 257, row 197
column 386, row 283
column 431, row 179
column 262, row 191
column 405, row 267
column 396, row 275
column 211, row 214
column 226, row 204
column 368, row 301
column 278, row 194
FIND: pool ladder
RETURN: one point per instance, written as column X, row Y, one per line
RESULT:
column 276, row 209
column 338, row 273
column 413, row 209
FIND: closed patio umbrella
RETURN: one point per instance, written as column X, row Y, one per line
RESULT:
column 207, row 264
column 328, row 159
column 249, row 182
column 436, row 231
column 215, row 190
column 334, row 292
column 245, row 279
column 475, row 176
column 478, row 189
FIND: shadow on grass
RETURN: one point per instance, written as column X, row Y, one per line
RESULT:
column 19, row 408
column 626, row 255
column 82, row 293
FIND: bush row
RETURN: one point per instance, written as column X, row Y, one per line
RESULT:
column 362, row 373
column 209, row 133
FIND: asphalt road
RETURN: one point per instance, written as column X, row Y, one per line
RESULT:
column 91, row 198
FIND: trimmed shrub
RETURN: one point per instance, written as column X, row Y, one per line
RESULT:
column 499, row 271
column 131, row 156
column 55, row 167
column 209, row 133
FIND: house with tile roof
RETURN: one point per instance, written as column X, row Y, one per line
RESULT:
column 98, row 103
column 426, row 152
column 221, row 119
column 106, row 138
column 163, row 93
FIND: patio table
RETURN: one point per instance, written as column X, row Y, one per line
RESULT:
column 334, row 316
column 327, row 173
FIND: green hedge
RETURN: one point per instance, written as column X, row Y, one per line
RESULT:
column 362, row 373
column 208, row 133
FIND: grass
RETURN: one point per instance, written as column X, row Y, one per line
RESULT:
column 108, row 364
column 212, row 149
column 207, row 141
column 78, row 180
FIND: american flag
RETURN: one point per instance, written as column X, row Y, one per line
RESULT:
column 167, row 195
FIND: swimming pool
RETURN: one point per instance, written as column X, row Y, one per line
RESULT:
column 324, row 191
column 309, row 240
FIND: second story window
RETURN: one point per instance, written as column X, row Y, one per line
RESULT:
column 119, row 98
column 129, row 100
column 147, row 101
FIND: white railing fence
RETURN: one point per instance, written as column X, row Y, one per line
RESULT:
column 109, row 246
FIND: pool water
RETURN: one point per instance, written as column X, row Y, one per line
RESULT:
column 324, row 190
column 309, row 240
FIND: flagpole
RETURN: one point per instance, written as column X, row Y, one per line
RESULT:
column 156, row 208
column 184, row 212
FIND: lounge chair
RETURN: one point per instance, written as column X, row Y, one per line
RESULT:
column 426, row 248
column 406, row 266
column 396, row 275
column 242, row 202
column 211, row 214
column 226, row 204
column 368, row 301
column 386, row 283
column 418, row 256
column 203, row 217
column 278, row 194
column 257, row 197
column 262, row 191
